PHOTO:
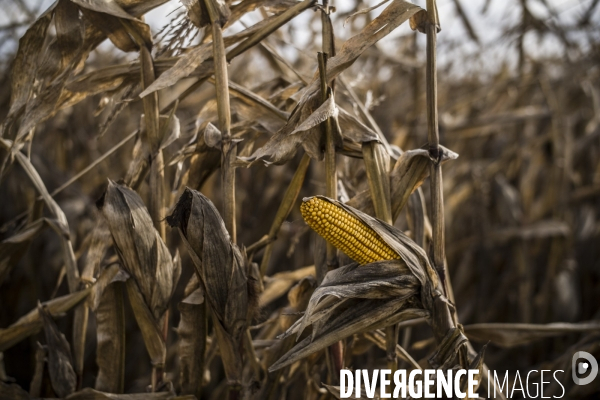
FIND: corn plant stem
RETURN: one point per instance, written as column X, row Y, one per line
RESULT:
column 437, row 196
column 437, row 199
column 416, row 223
column 287, row 203
column 157, row 200
column 377, row 164
column 335, row 352
column 152, row 137
column 258, row 245
column 228, row 148
column 330, row 167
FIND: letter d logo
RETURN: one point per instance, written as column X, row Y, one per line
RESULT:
column 579, row 368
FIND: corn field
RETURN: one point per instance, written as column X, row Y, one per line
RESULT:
column 240, row 199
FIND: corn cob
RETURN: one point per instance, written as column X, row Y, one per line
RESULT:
column 346, row 232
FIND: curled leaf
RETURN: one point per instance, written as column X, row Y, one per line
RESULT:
column 144, row 255
column 62, row 375
column 222, row 271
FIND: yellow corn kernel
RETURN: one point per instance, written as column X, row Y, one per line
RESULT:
column 346, row 232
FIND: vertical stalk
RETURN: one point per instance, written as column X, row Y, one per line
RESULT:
column 377, row 165
column 330, row 167
column 153, row 138
column 336, row 350
column 335, row 359
column 437, row 196
column 229, row 149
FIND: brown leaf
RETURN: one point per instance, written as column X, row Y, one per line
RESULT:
column 409, row 172
column 111, row 26
column 68, row 31
column 62, row 375
column 283, row 145
column 379, row 280
column 31, row 323
column 359, row 316
column 143, row 253
column 148, row 324
column 110, row 333
column 192, row 332
column 191, row 60
column 509, row 335
column 279, row 284
column 110, row 7
column 198, row 13
column 222, row 270
column 26, row 63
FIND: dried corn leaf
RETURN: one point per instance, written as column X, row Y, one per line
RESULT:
column 280, row 283
column 199, row 15
column 31, row 323
column 69, row 34
column 145, row 256
column 510, row 335
column 282, row 146
column 408, row 174
column 25, row 65
column 62, row 375
column 192, row 332
column 359, row 316
column 110, row 334
column 187, row 63
column 59, row 223
column 110, row 7
column 353, row 129
column 148, row 324
column 111, row 26
column 222, row 270
column 303, row 129
column 54, row 69
column 378, row 280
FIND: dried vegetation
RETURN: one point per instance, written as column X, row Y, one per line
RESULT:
column 152, row 241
